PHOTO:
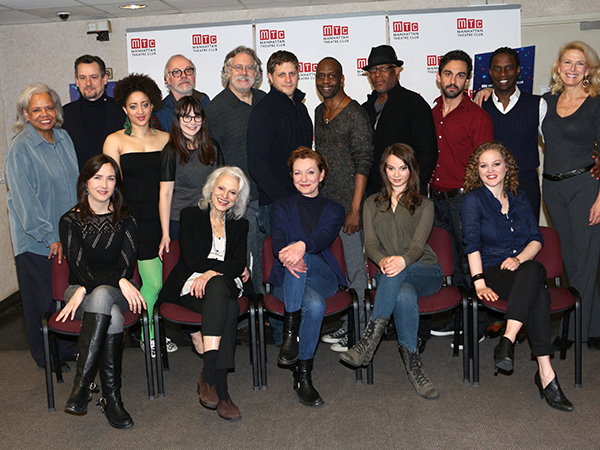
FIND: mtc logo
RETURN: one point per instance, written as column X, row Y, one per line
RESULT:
column 335, row 30
column 138, row 43
column 203, row 39
column 307, row 67
column 469, row 24
column 360, row 63
column 270, row 35
column 433, row 60
column 403, row 27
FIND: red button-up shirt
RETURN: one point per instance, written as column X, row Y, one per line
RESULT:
column 458, row 134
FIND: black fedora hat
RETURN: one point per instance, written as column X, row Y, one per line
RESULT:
column 384, row 54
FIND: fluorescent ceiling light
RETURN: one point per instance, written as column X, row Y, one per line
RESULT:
column 133, row 6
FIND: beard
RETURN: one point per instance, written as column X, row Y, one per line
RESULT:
column 452, row 94
column 244, row 89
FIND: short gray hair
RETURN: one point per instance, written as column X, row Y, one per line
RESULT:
column 231, row 55
column 239, row 209
column 171, row 59
column 23, row 103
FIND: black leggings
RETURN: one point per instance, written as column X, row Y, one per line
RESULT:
column 528, row 301
column 220, row 310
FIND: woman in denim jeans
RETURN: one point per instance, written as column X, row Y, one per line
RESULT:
column 397, row 223
column 303, row 228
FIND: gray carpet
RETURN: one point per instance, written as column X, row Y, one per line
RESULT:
column 504, row 413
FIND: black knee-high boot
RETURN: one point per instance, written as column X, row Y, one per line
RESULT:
column 303, row 386
column 110, row 376
column 288, row 354
column 90, row 343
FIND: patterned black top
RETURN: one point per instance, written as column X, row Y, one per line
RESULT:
column 97, row 251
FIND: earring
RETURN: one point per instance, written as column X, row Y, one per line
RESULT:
column 585, row 83
column 152, row 121
column 127, row 126
column 87, row 192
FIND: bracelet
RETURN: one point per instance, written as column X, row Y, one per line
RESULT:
column 518, row 260
column 479, row 276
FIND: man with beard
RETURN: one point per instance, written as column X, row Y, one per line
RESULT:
column 180, row 78
column 343, row 135
column 228, row 114
column 461, row 126
column 93, row 116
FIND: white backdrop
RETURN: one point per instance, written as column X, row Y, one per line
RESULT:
column 149, row 49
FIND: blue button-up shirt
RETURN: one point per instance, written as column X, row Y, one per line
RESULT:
column 495, row 235
column 41, row 179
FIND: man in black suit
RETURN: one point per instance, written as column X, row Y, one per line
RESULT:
column 93, row 116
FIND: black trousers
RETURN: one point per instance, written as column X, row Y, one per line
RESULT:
column 528, row 301
column 34, row 273
column 220, row 310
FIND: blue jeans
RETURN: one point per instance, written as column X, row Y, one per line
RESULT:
column 309, row 293
column 399, row 294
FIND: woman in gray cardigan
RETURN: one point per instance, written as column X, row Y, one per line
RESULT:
column 397, row 223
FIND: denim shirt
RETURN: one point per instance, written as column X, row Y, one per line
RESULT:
column 495, row 235
column 41, row 179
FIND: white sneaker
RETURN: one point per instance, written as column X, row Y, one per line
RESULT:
column 171, row 346
column 460, row 342
column 341, row 346
column 152, row 348
column 334, row 338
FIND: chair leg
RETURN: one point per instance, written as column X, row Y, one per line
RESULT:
column 475, row 342
column 578, row 381
column 159, row 361
column 354, row 330
column 55, row 360
column 148, row 356
column 163, row 345
column 48, row 369
column 466, row 348
column 253, row 346
column 262, row 344
column 367, row 318
column 456, row 322
column 564, row 334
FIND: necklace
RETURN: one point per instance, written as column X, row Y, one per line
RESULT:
column 327, row 119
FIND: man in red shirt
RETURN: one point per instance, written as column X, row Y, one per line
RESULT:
column 461, row 126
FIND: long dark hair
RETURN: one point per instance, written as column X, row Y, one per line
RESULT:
column 412, row 196
column 91, row 168
column 206, row 151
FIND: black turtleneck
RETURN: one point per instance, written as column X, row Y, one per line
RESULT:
column 309, row 210
column 93, row 118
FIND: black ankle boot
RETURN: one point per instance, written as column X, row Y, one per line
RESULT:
column 303, row 386
column 90, row 343
column 110, row 376
column 504, row 355
column 288, row 354
column 553, row 394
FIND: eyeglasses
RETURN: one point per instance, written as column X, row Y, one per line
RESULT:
column 382, row 69
column 176, row 73
column 241, row 68
column 187, row 118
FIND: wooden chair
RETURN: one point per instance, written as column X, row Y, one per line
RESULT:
column 184, row 316
column 562, row 299
column 447, row 298
column 51, row 327
column 341, row 301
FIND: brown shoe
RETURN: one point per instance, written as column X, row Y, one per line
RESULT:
column 208, row 395
column 228, row 411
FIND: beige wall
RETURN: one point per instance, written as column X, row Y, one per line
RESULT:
column 45, row 53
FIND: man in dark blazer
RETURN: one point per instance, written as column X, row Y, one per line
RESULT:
column 397, row 115
column 94, row 115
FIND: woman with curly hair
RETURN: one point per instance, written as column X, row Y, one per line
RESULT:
column 502, row 238
column 397, row 223
column 137, row 149
column 571, row 132
column 187, row 161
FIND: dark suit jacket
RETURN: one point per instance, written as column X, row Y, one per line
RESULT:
column 406, row 118
column 195, row 241
column 115, row 118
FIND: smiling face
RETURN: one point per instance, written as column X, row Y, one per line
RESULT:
column 504, row 73
column 492, row 168
column 41, row 113
column 138, row 108
column 397, row 172
column 225, row 193
column 242, row 73
column 191, row 128
column 100, row 188
column 307, row 176
column 573, row 67
column 90, row 82
column 453, row 78
column 384, row 81
column 329, row 79
column 285, row 78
